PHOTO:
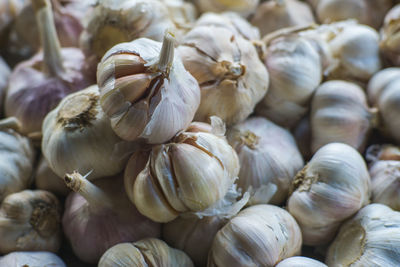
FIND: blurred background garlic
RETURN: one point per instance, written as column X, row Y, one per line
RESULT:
column 193, row 235
column 46, row 179
column 146, row 252
column 340, row 113
column 333, row 186
column 146, row 91
column 77, row 136
column 268, row 157
column 4, row 75
column 31, row 258
column 384, row 94
column 30, row 221
column 299, row 261
column 37, row 85
column 260, row 235
column 370, row 238
column 232, row 79
column 277, row 14
column 390, row 36
column 99, row 215
column 173, row 179
column 17, row 157
column 243, row 7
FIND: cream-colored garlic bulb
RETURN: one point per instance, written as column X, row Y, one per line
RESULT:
column 268, row 157
column 46, row 179
column 243, row 7
column 261, row 235
column 369, row 12
column 77, row 136
column 384, row 94
column 146, row 252
column 299, row 261
column 30, row 220
column 193, row 235
column 173, row 179
column 277, row 14
column 232, row 78
column 340, row 113
column 370, row 238
column 31, row 258
column 146, row 91
column 390, row 37
column 295, row 66
column 17, row 157
column 4, row 74
column 333, row 186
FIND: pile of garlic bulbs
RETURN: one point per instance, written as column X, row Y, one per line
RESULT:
column 199, row 133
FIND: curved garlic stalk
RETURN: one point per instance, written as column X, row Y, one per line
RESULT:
column 299, row 261
column 46, row 179
column 36, row 258
column 29, row 221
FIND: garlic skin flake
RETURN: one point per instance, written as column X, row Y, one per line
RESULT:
column 146, row 91
column 260, row 235
column 299, row 261
column 333, row 186
column 267, row 154
column 146, row 252
column 243, row 7
column 77, row 136
column 231, row 76
column 30, row 220
column 390, row 36
column 31, row 258
column 370, row 238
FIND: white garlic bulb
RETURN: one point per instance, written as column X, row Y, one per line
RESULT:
column 277, row 14
column 182, row 13
column 370, row 238
column 243, row 7
column 30, row 221
column 46, row 179
column 146, row 91
column 77, row 136
column 146, row 252
column 231, row 76
column 268, row 154
column 299, row 261
column 260, row 235
column 340, row 113
column 333, row 186
column 390, row 36
column 31, row 258
column 384, row 94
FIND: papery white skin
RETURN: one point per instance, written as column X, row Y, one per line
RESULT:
column 77, row 136
column 299, row 261
column 267, row 154
column 243, row 7
column 31, row 258
column 46, row 179
column 370, row 238
column 333, row 186
column 260, row 235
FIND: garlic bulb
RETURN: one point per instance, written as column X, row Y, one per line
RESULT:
column 193, row 235
column 36, row 86
column 232, row 78
column 32, row 258
column 268, row 154
column 30, row 221
column 146, row 252
column 261, row 235
column 340, row 113
column 99, row 216
column 243, row 7
column 277, row 14
column 182, row 13
column 46, row 179
column 295, row 67
column 369, row 12
column 77, row 136
column 146, row 91
column 299, row 261
column 368, row 239
column 4, row 75
column 384, row 94
column 17, row 156
column 333, row 186
column 390, row 36
column 114, row 21
column 173, row 179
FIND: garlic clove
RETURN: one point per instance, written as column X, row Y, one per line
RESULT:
column 379, row 81
column 299, row 261
column 33, row 258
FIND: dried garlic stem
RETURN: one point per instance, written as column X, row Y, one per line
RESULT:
column 53, row 64
column 10, row 123
column 167, row 52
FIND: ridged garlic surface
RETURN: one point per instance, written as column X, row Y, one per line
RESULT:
column 340, row 113
column 268, row 156
column 30, row 220
column 146, row 91
column 231, row 76
column 260, row 235
column 171, row 179
column 243, row 7
column 370, row 238
column 31, row 258
column 333, row 186
column 146, row 252
column 277, row 14
column 390, row 38
column 77, row 136
column 299, row 261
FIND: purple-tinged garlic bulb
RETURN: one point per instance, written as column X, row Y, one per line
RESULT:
column 31, row 258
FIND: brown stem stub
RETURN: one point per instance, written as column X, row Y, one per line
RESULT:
column 73, row 181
